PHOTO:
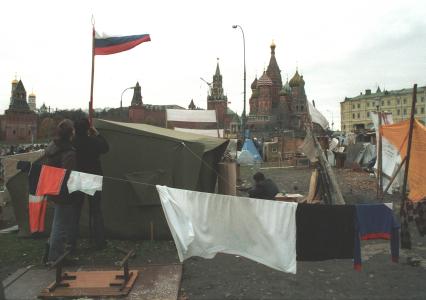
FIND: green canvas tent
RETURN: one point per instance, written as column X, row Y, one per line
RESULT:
column 141, row 156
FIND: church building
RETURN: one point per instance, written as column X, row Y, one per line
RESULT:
column 275, row 106
column 19, row 122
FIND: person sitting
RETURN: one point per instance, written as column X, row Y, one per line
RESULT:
column 264, row 188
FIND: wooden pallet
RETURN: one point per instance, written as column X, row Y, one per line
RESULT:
column 91, row 284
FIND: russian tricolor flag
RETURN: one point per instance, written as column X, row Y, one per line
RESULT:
column 106, row 44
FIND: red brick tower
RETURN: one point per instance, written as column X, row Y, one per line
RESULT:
column 217, row 100
column 136, row 110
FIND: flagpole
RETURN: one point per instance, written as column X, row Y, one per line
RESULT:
column 93, row 73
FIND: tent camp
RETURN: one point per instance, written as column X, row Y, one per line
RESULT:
column 141, row 156
column 359, row 154
column 249, row 153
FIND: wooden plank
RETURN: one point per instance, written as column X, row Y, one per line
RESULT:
column 312, row 186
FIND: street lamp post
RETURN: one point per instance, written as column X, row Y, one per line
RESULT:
column 121, row 99
column 332, row 119
column 244, row 109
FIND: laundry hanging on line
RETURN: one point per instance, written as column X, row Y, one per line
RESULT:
column 53, row 181
column 325, row 232
column 375, row 221
column 204, row 224
column 37, row 205
column 44, row 181
column 84, row 182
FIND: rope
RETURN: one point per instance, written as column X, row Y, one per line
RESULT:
column 109, row 177
column 145, row 183
column 207, row 165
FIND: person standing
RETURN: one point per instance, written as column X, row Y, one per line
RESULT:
column 61, row 154
column 90, row 145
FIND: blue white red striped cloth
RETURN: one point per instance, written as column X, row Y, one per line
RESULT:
column 106, row 44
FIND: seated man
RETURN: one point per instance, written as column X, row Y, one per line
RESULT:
column 264, row 188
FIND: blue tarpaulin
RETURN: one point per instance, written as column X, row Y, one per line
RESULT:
column 250, row 147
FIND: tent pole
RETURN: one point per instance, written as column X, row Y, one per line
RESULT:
column 394, row 175
column 410, row 138
column 336, row 195
column 92, row 77
column 405, row 233
column 380, row 160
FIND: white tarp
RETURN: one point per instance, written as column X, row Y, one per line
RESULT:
column 331, row 158
column 206, row 132
column 365, row 154
column 333, row 144
column 391, row 159
column 204, row 224
column 245, row 158
column 308, row 147
column 183, row 115
column 317, row 117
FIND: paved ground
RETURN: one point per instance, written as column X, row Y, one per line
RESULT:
column 232, row 277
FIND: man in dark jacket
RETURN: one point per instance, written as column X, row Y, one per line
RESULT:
column 90, row 145
column 264, row 188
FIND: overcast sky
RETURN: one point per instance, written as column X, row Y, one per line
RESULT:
column 341, row 48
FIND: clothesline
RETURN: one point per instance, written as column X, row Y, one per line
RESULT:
column 145, row 183
column 203, row 224
column 306, row 241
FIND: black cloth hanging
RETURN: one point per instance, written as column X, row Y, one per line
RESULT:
column 325, row 232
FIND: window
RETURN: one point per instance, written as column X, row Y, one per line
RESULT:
column 404, row 101
column 415, row 110
column 344, row 126
column 398, row 101
column 368, row 104
column 301, row 108
column 422, row 110
column 358, row 115
column 14, row 132
column 389, row 103
column 405, row 111
column 398, row 112
column 358, row 105
column 422, row 99
column 368, row 114
column 383, row 103
column 353, row 116
column 353, row 106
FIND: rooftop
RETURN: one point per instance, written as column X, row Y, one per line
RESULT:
column 420, row 89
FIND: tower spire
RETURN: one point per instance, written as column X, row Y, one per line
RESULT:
column 273, row 47
column 217, row 67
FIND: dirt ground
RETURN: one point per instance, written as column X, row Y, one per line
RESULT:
column 233, row 277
